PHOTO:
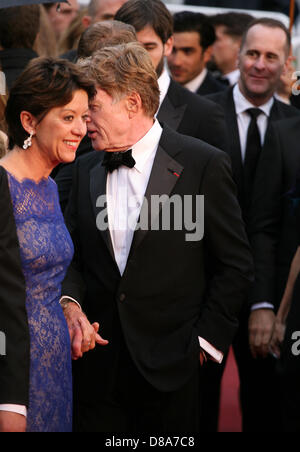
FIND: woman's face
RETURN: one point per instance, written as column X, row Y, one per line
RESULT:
column 59, row 134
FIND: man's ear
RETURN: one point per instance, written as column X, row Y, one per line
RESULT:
column 86, row 21
column 28, row 122
column 134, row 104
column 168, row 46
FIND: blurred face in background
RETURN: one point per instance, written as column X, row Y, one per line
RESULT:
column 155, row 47
column 262, row 62
column 225, row 50
column 61, row 19
column 106, row 10
column 188, row 58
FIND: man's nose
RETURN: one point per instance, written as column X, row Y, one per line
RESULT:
column 260, row 63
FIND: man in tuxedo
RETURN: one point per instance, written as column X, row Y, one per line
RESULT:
column 164, row 292
column 193, row 40
column 180, row 109
column 279, row 216
column 250, row 108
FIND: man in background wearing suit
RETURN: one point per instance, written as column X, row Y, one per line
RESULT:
column 180, row 109
column 279, row 174
column 250, row 108
column 193, row 39
column 162, row 300
column 229, row 29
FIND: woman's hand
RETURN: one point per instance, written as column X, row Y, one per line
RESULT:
column 277, row 337
column 84, row 336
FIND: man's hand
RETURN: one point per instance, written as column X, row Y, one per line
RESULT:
column 261, row 326
column 12, row 422
column 84, row 336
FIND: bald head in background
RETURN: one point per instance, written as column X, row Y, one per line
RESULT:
column 101, row 10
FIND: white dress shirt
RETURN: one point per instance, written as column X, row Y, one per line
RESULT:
column 244, row 120
column 125, row 192
column 164, row 82
column 233, row 77
column 195, row 84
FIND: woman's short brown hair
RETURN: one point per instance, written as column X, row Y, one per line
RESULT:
column 45, row 84
column 124, row 69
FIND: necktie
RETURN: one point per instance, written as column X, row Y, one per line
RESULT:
column 113, row 160
column 253, row 151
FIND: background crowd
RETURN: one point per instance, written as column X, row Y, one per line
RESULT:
column 228, row 80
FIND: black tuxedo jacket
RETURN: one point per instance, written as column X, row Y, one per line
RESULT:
column 210, row 86
column 172, row 290
column 279, row 168
column 14, row 365
column 192, row 115
column 226, row 101
column 261, row 239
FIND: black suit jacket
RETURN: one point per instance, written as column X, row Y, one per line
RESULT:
column 192, row 115
column 14, row 365
column 172, row 290
column 226, row 101
column 261, row 241
column 280, row 165
column 210, row 86
column 13, row 62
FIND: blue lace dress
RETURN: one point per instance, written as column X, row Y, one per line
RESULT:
column 46, row 252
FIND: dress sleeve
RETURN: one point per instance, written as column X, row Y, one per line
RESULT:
column 14, row 328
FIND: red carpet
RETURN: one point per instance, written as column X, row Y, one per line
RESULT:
column 230, row 414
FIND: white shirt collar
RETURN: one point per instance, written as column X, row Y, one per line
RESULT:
column 195, row 84
column 164, row 84
column 147, row 146
column 242, row 104
column 233, row 77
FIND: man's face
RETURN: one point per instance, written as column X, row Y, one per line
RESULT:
column 225, row 51
column 262, row 61
column 62, row 19
column 155, row 47
column 187, row 59
column 107, row 10
column 108, row 123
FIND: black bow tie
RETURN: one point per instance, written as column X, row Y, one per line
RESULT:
column 113, row 160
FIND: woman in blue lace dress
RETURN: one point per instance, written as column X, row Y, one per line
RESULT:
column 46, row 116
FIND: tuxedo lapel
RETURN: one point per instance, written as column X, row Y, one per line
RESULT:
column 165, row 174
column 98, row 179
column 171, row 112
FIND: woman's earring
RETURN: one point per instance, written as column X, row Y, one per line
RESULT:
column 28, row 142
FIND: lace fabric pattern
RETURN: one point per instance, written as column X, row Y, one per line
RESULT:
column 46, row 252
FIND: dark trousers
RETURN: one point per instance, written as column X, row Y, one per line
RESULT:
column 132, row 405
column 259, row 389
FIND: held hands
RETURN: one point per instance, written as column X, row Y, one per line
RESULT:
column 84, row 336
column 261, row 327
column 278, row 337
column 12, row 422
